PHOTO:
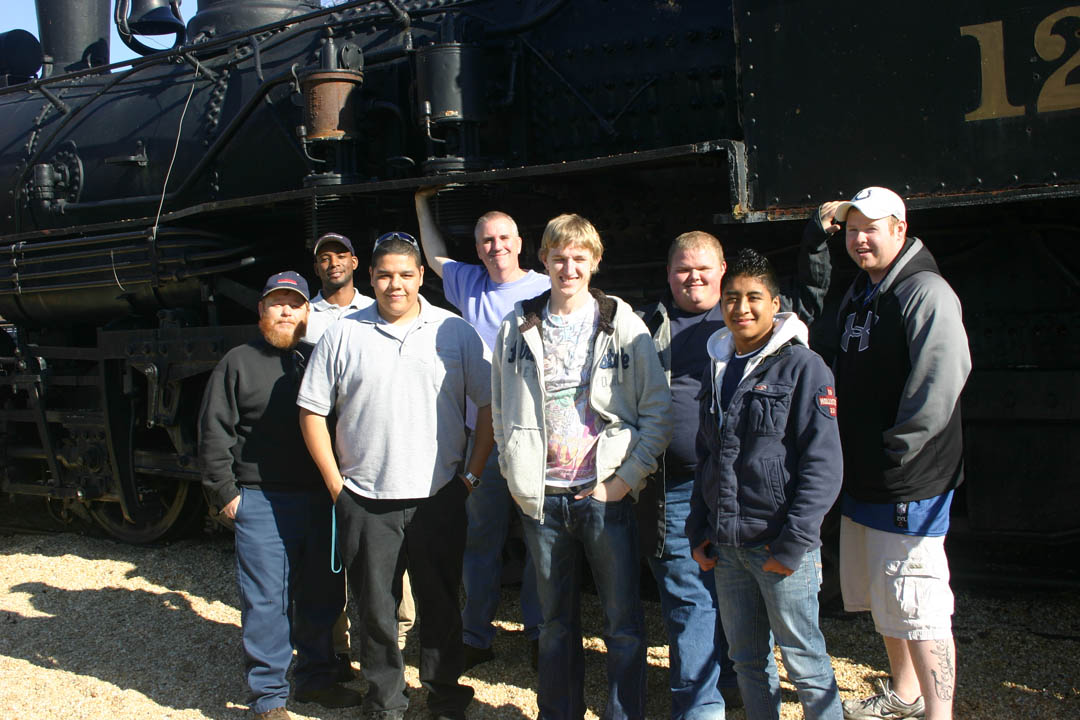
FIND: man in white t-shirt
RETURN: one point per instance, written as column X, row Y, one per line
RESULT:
column 484, row 294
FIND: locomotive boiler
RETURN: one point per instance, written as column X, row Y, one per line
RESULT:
column 144, row 202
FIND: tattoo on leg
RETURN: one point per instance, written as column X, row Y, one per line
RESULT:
column 945, row 674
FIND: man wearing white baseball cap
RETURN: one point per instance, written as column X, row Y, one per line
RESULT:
column 901, row 363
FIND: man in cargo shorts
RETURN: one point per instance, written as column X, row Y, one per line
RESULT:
column 901, row 363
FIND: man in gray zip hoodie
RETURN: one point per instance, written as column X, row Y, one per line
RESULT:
column 580, row 409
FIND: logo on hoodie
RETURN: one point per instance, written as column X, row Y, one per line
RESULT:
column 521, row 350
column 851, row 330
column 609, row 360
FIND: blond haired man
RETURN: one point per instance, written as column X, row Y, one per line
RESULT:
column 580, row 411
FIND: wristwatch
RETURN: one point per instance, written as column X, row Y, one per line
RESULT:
column 472, row 480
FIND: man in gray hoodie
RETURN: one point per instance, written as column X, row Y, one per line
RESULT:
column 580, row 410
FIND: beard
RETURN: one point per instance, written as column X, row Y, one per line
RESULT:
column 280, row 338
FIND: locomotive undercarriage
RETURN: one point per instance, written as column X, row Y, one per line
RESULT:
column 105, row 429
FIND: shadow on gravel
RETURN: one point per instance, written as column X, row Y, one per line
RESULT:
column 152, row 643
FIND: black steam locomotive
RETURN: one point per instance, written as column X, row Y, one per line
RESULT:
column 144, row 202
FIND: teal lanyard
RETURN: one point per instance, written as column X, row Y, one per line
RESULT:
column 334, row 559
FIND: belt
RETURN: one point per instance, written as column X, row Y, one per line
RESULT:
column 556, row 490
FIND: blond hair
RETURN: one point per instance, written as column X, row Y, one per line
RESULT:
column 695, row 240
column 571, row 229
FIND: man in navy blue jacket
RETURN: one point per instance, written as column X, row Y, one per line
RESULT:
column 769, row 468
column 702, row 679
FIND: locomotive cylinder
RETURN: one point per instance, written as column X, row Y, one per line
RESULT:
column 450, row 101
column 330, row 100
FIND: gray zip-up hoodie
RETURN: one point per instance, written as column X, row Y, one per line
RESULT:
column 627, row 390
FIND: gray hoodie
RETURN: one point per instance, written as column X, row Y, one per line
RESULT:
column 628, row 391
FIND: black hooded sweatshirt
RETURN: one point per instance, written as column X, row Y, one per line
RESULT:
column 901, row 364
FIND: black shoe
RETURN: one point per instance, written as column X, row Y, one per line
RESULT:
column 534, row 654
column 475, row 656
column 331, row 696
column 732, row 698
column 345, row 671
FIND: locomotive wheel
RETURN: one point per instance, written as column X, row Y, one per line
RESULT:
column 174, row 509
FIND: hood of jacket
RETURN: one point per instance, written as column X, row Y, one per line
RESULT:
column 787, row 328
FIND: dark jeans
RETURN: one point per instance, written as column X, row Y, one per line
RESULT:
column 489, row 509
column 288, row 595
column 606, row 534
column 378, row 539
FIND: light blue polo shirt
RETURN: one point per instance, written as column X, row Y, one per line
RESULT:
column 483, row 302
column 400, row 397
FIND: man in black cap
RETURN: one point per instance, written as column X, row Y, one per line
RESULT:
column 257, row 470
column 335, row 264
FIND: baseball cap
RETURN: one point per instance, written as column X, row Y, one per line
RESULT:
column 874, row 203
column 335, row 238
column 287, row 280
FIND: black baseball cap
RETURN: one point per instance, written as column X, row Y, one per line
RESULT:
column 334, row 237
column 287, row 280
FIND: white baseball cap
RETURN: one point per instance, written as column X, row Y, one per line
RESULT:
column 874, row 203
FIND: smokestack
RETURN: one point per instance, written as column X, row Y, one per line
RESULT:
column 74, row 34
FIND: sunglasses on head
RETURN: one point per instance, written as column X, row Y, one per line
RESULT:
column 395, row 235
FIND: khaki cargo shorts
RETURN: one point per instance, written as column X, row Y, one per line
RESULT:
column 903, row 580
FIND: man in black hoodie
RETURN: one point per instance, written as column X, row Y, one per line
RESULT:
column 258, row 472
column 901, row 364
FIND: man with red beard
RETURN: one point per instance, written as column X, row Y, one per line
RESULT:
column 257, row 470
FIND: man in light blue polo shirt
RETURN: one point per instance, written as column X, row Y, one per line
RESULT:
column 397, row 375
column 485, row 294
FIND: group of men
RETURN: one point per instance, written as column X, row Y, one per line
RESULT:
column 428, row 429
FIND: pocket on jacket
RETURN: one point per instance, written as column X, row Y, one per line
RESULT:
column 613, row 447
column 774, row 471
column 768, row 410
column 522, row 459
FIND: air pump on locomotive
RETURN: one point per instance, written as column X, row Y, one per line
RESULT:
column 144, row 202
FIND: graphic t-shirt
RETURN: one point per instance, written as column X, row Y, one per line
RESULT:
column 571, row 423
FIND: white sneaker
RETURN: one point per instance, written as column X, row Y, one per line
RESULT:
column 883, row 706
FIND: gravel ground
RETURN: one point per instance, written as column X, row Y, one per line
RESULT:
column 90, row 628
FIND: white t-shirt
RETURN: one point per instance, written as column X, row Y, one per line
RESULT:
column 571, row 423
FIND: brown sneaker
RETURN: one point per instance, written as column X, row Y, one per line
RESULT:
column 278, row 713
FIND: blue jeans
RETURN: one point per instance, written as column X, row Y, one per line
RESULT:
column 751, row 602
column 606, row 535
column 489, row 507
column 288, row 595
column 697, row 657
